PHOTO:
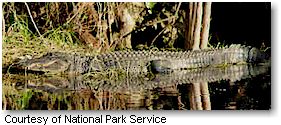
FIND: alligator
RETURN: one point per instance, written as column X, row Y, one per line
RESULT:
column 141, row 61
column 132, row 82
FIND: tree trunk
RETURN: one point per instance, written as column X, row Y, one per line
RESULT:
column 197, row 27
column 128, row 24
column 195, row 38
column 193, row 35
column 188, row 20
column 193, row 24
column 206, row 26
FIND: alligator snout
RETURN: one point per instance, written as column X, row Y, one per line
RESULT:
column 44, row 64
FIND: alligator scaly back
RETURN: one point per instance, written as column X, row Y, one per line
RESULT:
column 139, row 61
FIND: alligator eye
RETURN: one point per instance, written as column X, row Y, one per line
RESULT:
column 19, row 84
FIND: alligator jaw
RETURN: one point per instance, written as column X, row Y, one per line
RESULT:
column 56, row 65
column 45, row 64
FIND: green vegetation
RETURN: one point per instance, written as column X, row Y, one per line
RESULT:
column 33, row 29
column 87, row 27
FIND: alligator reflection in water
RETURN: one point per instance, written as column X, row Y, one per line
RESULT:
column 195, row 89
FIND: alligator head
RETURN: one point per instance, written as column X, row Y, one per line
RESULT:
column 49, row 63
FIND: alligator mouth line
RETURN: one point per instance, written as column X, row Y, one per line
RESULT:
column 40, row 66
column 56, row 65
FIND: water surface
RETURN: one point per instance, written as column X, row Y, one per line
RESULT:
column 236, row 87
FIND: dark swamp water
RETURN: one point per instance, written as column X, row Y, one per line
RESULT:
column 236, row 87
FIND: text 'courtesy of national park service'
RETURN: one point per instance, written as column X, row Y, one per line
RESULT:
column 76, row 119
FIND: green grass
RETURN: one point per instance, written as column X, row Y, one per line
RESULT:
column 19, row 41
